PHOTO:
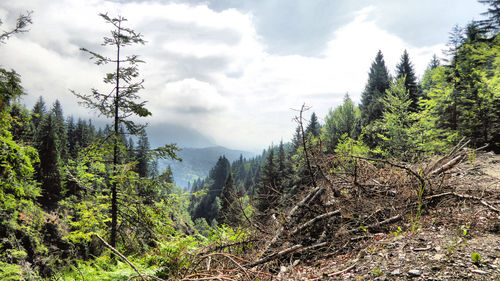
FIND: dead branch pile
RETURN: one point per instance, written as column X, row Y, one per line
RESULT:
column 356, row 197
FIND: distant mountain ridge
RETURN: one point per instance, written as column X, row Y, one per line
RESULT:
column 197, row 162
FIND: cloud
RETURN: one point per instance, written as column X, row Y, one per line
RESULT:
column 209, row 71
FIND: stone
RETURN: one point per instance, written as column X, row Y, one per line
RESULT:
column 435, row 268
column 414, row 272
column 396, row 272
column 478, row 271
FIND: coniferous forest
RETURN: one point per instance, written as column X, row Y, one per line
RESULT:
column 86, row 202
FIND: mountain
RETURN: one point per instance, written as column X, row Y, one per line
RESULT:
column 197, row 162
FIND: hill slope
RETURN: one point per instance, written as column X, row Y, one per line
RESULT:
column 197, row 162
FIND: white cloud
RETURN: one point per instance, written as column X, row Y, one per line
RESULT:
column 205, row 70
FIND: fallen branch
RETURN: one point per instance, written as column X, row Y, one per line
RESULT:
column 450, row 164
column 314, row 220
column 120, row 255
column 409, row 170
column 285, row 252
column 311, row 196
column 222, row 247
column 377, row 224
column 344, row 270
column 232, row 259
column 464, row 196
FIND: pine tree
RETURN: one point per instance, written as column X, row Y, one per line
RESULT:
column 433, row 63
column 297, row 139
column 142, row 157
column 207, row 207
column 492, row 24
column 313, row 127
column 395, row 139
column 455, row 39
column 405, row 69
column 48, row 168
column 229, row 212
column 268, row 190
column 38, row 112
column 62, row 134
column 119, row 104
column 378, row 82
column 344, row 120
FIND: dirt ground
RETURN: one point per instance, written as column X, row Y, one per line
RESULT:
column 455, row 239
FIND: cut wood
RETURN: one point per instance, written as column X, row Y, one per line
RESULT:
column 285, row 252
column 309, row 198
column 450, row 164
column 313, row 221
column 464, row 196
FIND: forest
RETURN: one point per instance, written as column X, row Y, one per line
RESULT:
column 81, row 202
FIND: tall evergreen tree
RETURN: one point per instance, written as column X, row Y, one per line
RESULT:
column 313, row 127
column 268, row 190
column 61, row 131
column 455, row 39
column 343, row 120
column 492, row 23
column 433, row 63
column 229, row 210
column 405, row 69
column 208, row 206
column 395, row 136
column 297, row 139
column 378, row 82
column 142, row 156
column 39, row 110
column 48, row 168
column 121, row 103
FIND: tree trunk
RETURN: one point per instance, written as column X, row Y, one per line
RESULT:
column 114, row 203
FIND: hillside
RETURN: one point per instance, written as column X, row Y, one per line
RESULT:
column 197, row 162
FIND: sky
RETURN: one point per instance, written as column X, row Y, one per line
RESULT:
column 227, row 72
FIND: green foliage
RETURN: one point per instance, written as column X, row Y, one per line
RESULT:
column 224, row 235
column 464, row 229
column 392, row 132
column 476, row 258
column 343, row 120
column 349, row 146
column 11, row 272
column 398, row 231
column 21, row 219
column 173, row 257
column 103, row 268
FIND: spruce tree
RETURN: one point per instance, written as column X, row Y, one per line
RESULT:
column 121, row 103
column 61, row 131
column 492, row 24
column 228, row 212
column 38, row 112
column 313, row 127
column 142, row 157
column 297, row 139
column 405, row 69
column 378, row 82
column 343, row 120
column 433, row 63
column 48, row 169
column 268, row 190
